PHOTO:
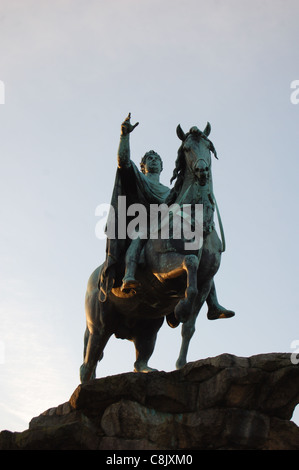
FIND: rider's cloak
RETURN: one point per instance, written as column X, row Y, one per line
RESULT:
column 137, row 188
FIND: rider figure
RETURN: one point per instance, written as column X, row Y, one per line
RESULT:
column 151, row 167
column 155, row 192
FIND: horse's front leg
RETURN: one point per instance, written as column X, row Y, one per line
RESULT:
column 183, row 309
column 188, row 328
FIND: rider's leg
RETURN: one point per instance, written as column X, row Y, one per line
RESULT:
column 215, row 310
column 132, row 258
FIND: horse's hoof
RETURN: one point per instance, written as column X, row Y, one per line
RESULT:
column 214, row 314
column 180, row 363
column 86, row 374
column 144, row 369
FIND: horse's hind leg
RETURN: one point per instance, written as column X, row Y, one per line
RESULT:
column 93, row 352
column 183, row 309
column 86, row 337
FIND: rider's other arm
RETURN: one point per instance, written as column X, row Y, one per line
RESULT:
column 123, row 155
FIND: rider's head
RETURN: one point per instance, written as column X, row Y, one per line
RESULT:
column 151, row 162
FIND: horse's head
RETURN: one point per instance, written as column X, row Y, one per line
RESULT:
column 196, row 148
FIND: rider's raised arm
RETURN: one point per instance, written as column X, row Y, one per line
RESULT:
column 123, row 155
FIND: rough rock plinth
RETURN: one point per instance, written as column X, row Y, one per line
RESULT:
column 225, row 402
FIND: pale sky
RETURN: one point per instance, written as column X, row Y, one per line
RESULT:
column 72, row 71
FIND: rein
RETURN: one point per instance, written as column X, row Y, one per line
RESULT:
column 218, row 216
column 220, row 225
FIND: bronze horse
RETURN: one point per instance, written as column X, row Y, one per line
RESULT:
column 174, row 281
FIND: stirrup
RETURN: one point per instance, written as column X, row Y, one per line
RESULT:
column 129, row 284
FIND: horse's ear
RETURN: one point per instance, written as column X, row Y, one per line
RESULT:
column 207, row 129
column 180, row 133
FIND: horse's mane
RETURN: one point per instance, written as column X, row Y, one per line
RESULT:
column 178, row 175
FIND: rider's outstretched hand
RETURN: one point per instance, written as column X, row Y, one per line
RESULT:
column 127, row 127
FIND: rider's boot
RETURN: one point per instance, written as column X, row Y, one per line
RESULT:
column 129, row 282
column 216, row 310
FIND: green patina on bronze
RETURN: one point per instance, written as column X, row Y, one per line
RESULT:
column 144, row 280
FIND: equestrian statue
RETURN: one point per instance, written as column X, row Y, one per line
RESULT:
column 161, row 263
